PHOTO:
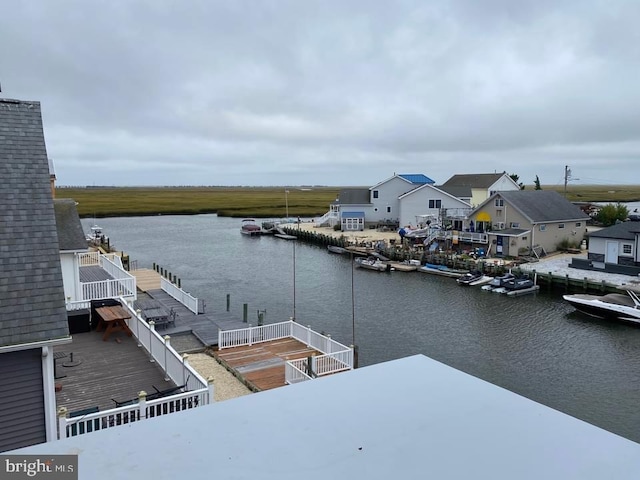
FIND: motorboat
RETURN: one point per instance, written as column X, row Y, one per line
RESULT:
column 96, row 236
column 250, row 227
column 498, row 282
column 372, row 263
column 442, row 270
column 470, row 277
column 611, row 306
column 337, row 249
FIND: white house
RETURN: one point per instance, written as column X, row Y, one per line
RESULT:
column 428, row 202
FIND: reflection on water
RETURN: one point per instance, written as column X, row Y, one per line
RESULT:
column 536, row 345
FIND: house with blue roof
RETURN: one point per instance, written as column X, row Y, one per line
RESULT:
column 356, row 208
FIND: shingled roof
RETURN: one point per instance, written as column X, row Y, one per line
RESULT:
column 622, row 231
column 70, row 233
column 473, row 180
column 541, row 206
column 353, row 196
column 32, row 307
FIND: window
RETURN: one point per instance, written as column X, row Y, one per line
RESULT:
column 515, row 225
column 435, row 203
column 524, row 239
column 543, row 227
column 561, row 225
column 578, row 224
column 499, row 202
column 375, row 194
column 388, row 209
column 627, row 249
column 498, row 213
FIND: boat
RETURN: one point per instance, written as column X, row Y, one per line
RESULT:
column 249, row 226
column 442, row 270
column 404, row 266
column 611, row 306
column 96, row 236
column 337, row 249
column 498, row 282
column 520, row 286
column 470, row 277
column 372, row 263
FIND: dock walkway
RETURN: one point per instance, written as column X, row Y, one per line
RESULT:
column 189, row 331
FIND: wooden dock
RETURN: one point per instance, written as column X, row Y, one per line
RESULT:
column 102, row 371
column 261, row 366
column 146, row 279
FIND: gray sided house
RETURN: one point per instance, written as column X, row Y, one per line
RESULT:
column 376, row 205
column 32, row 308
column 615, row 249
column 525, row 222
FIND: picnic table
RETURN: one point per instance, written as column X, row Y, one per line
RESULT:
column 113, row 319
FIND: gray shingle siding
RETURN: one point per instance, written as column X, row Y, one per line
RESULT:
column 70, row 233
column 31, row 291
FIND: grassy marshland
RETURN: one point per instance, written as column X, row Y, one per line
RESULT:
column 262, row 202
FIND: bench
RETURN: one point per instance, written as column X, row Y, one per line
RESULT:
column 84, row 427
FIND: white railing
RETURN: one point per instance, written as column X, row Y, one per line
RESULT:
column 89, row 259
column 123, row 287
column 331, row 217
column 335, row 357
column 295, row 371
column 78, row 305
column 175, row 366
column 142, row 409
column 176, row 292
column 252, row 335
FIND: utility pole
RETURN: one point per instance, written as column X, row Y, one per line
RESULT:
column 567, row 178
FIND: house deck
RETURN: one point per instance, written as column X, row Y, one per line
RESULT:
column 102, row 371
column 261, row 366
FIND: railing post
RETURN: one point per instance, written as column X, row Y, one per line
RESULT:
column 308, row 335
column 211, row 389
column 152, row 328
column 139, row 315
column 328, row 344
column 142, row 404
column 62, row 422
column 185, row 364
column 167, row 344
column 250, row 335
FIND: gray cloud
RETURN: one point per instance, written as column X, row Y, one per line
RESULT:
column 337, row 93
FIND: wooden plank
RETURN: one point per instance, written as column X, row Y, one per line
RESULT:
column 115, row 369
column 255, row 363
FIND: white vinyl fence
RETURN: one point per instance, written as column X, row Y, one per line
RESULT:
column 183, row 297
column 335, row 357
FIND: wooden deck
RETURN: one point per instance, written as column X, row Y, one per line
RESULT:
column 116, row 369
column 261, row 366
column 146, row 279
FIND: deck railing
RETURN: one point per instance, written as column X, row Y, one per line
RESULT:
column 183, row 297
column 335, row 357
column 197, row 391
column 121, row 283
column 295, row 371
column 138, row 411
column 176, row 366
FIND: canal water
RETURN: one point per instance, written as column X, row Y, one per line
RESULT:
column 535, row 345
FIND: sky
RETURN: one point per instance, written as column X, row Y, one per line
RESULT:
column 338, row 93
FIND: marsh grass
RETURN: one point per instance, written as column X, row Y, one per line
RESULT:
column 230, row 202
column 261, row 202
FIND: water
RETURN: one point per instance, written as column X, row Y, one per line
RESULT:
column 534, row 345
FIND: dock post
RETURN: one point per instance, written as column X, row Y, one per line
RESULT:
column 244, row 312
column 550, row 279
column 154, row 266
column 585, row 284
column 566, row 283
column 355, row 355
column 179, row 283
column 228, row 301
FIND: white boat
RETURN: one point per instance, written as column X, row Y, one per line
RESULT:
column 442, row 270
column 249, row 226
column 372, row 263
column 96, row 236
column 612, row 306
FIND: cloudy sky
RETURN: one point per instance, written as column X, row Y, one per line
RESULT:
column 304, row 92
